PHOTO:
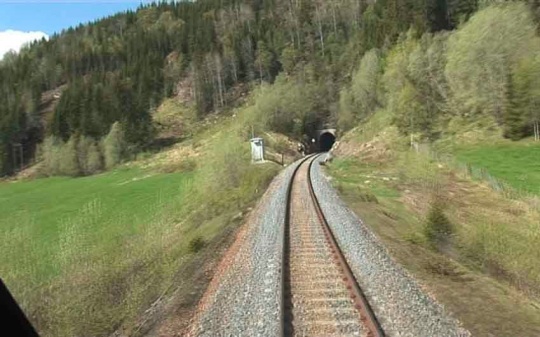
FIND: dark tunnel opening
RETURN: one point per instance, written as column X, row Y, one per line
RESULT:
column 326, row 140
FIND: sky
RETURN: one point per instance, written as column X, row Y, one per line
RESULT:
column 22, row 21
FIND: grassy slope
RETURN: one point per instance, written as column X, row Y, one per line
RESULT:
column 87, row 256
column 487, row 276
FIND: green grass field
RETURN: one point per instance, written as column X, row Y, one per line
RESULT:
column 125, row 195
column 103, row 208
column 518, row 164
column 70, row 246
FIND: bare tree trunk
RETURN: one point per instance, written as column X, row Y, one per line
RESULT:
column 291, row 33
column 235, row 72
column 319, row 24
column 322, row 40
column 194, row 86
column 219, row 79
column 334, row 19
column 295, row 24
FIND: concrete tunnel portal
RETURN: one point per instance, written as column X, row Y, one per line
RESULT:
column 326, row 141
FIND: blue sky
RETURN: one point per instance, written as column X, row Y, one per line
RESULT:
column 53, row 16
column 22, row 21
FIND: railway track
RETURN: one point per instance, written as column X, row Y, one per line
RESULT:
column 320, row 294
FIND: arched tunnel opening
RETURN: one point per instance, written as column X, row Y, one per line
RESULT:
column 326, row 140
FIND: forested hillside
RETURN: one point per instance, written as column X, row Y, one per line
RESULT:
column 118, row 69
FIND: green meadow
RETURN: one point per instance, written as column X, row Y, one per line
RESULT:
column 71, row 246
column 518, row 164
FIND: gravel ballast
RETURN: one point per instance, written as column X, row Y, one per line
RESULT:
column 399, row 303
column 247, row 301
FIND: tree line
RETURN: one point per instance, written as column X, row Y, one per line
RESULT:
column 82, row 155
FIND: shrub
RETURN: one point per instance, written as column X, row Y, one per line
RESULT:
column 186, row 166
column 94, row 161
column 281, row 146
column 83, row 146
column 114, row 146
column 196, row 244
column 367, row 196
column 51, row 153
column 68, row 160
column 438, row 227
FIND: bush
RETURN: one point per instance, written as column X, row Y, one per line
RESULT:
column 187, row 165
column 281, row 146
column 94, row 161
column 196, row 244
column 68, row 160
column 438, row 227
column 367, row 196
column 79, row 156
column 51, row 149
column 114, row 146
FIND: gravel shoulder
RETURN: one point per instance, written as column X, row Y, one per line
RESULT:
column 400, row 304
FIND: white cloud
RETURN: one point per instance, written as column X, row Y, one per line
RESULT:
column 14, row 40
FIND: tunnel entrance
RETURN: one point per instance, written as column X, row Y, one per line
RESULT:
column 326, row 140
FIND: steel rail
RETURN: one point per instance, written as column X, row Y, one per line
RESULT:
column 286, row 248
column 361, row 304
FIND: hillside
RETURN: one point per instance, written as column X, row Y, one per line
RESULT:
column 119, row 69
column 136, row 129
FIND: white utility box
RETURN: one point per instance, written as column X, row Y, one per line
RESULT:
column 257, row 150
